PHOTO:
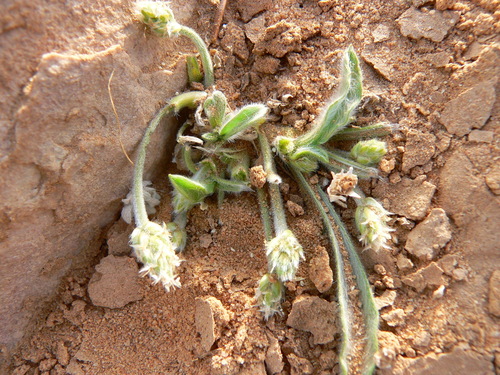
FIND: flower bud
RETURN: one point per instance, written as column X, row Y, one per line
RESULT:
column 371, row 220
column 369, row 152
column 284, row 253
column 158, row 16
column 153, row 247
column 269, row 295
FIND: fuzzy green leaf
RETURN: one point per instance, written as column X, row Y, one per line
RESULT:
column 187, row 100
column 231, row 186
column 193, row 69
column 215, row 107
column 250, row 115
column 193, row 190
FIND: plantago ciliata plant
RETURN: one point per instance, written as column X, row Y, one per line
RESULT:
column 217, row 162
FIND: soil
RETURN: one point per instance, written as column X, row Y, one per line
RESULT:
column 430, row 66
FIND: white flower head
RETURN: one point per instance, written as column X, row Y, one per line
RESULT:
column 153, row 247
column 151, row 199
column 371, row 220
column 284, row 253
column 269, row 295
column 158, row 16
column 342, row 186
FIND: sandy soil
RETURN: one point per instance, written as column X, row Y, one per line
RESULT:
column 434, row 70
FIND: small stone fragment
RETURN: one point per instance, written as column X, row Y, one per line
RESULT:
column 481, row 136
column 459, row 361
column 47, row 364
column 377, row 57
column 294, row 208
column 255, row 28
column 388, row 350
column 62, row 354
column 327, row 360
column 115, row 282
column 410, row 198
column 431, row 235
column 432, row 274
column 493, row 179
column 248, row 9
column 387, row 165
column 320, row 272
column 439, row 292
column 394, row 317
column 118, row 238
column 381, row 33
column 433, row 25
column 266, row 64
column 299, row 366
column 471, row 109
column 459, row 274
column 403, row 263
column 205, row 240
column 419, row 149
column 494, row 294
column 210, row 317
column 315, row 315
column 415, row 280
column 274, row 357
column 386, row 299
column 234, row 41
column 258, row 176
column 438, row 59
column 21, row 370
column 448, row 263
column 422, row 340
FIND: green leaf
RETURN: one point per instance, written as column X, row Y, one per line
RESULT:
column 193, row 69
column 231, row 186
column 311, row 152
column 187, row 100
column 193, row 190
column 250, row 115
column 340, row 110
column 215, row 107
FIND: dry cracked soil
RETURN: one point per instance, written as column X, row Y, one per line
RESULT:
column 431, row 66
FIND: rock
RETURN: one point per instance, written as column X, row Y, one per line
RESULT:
column 459, row 274
column 430, row 276
column 248, row 9
column 388, row 350
column 431, row 235
column 284, row 37
column 381, row 33
column 76, row 314
column 459, row 361
column 210, row 317
column 438, row 59
column 422, row 340
column 315, row 315
column 376, row 56
column 320, row 272
column 419, row 149
column 410, row 198
column 205, row 240
column 47, row 364
column 471, row 109
column 266, row 64
column 386, row 299
column 62, row 354
column 255, row 29
column 327, row 360
column 481, row 136
column 63, row 173
column 274, row 357
column 433, row 25
column 403, row 263
column 299, row 366
column 115, row 282
column 448, row 263
column 118, row 238
column 234, row 41
column 493, row 179
column 394, row 318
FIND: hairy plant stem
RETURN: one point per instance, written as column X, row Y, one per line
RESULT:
column 264, row 213
column 343, row 299
column 370, row 311
column 370, row 131
column 206, row 60
column 361, row 170
column 279, row 216
column 140, row 214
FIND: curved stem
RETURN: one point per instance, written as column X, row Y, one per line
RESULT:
column 206, row 60
column 140, row 214
column 264, row 213
column 370, row 311
column 342, row 297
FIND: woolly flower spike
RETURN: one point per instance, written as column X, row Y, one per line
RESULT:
column 342, row 186
column 157, row 16
column 369, row 152
column 269, row 295
column 151, row 199
column 284, row 253
column 371, row 220
column 153, row 247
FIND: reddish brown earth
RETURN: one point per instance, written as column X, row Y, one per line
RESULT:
column 430, row 66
